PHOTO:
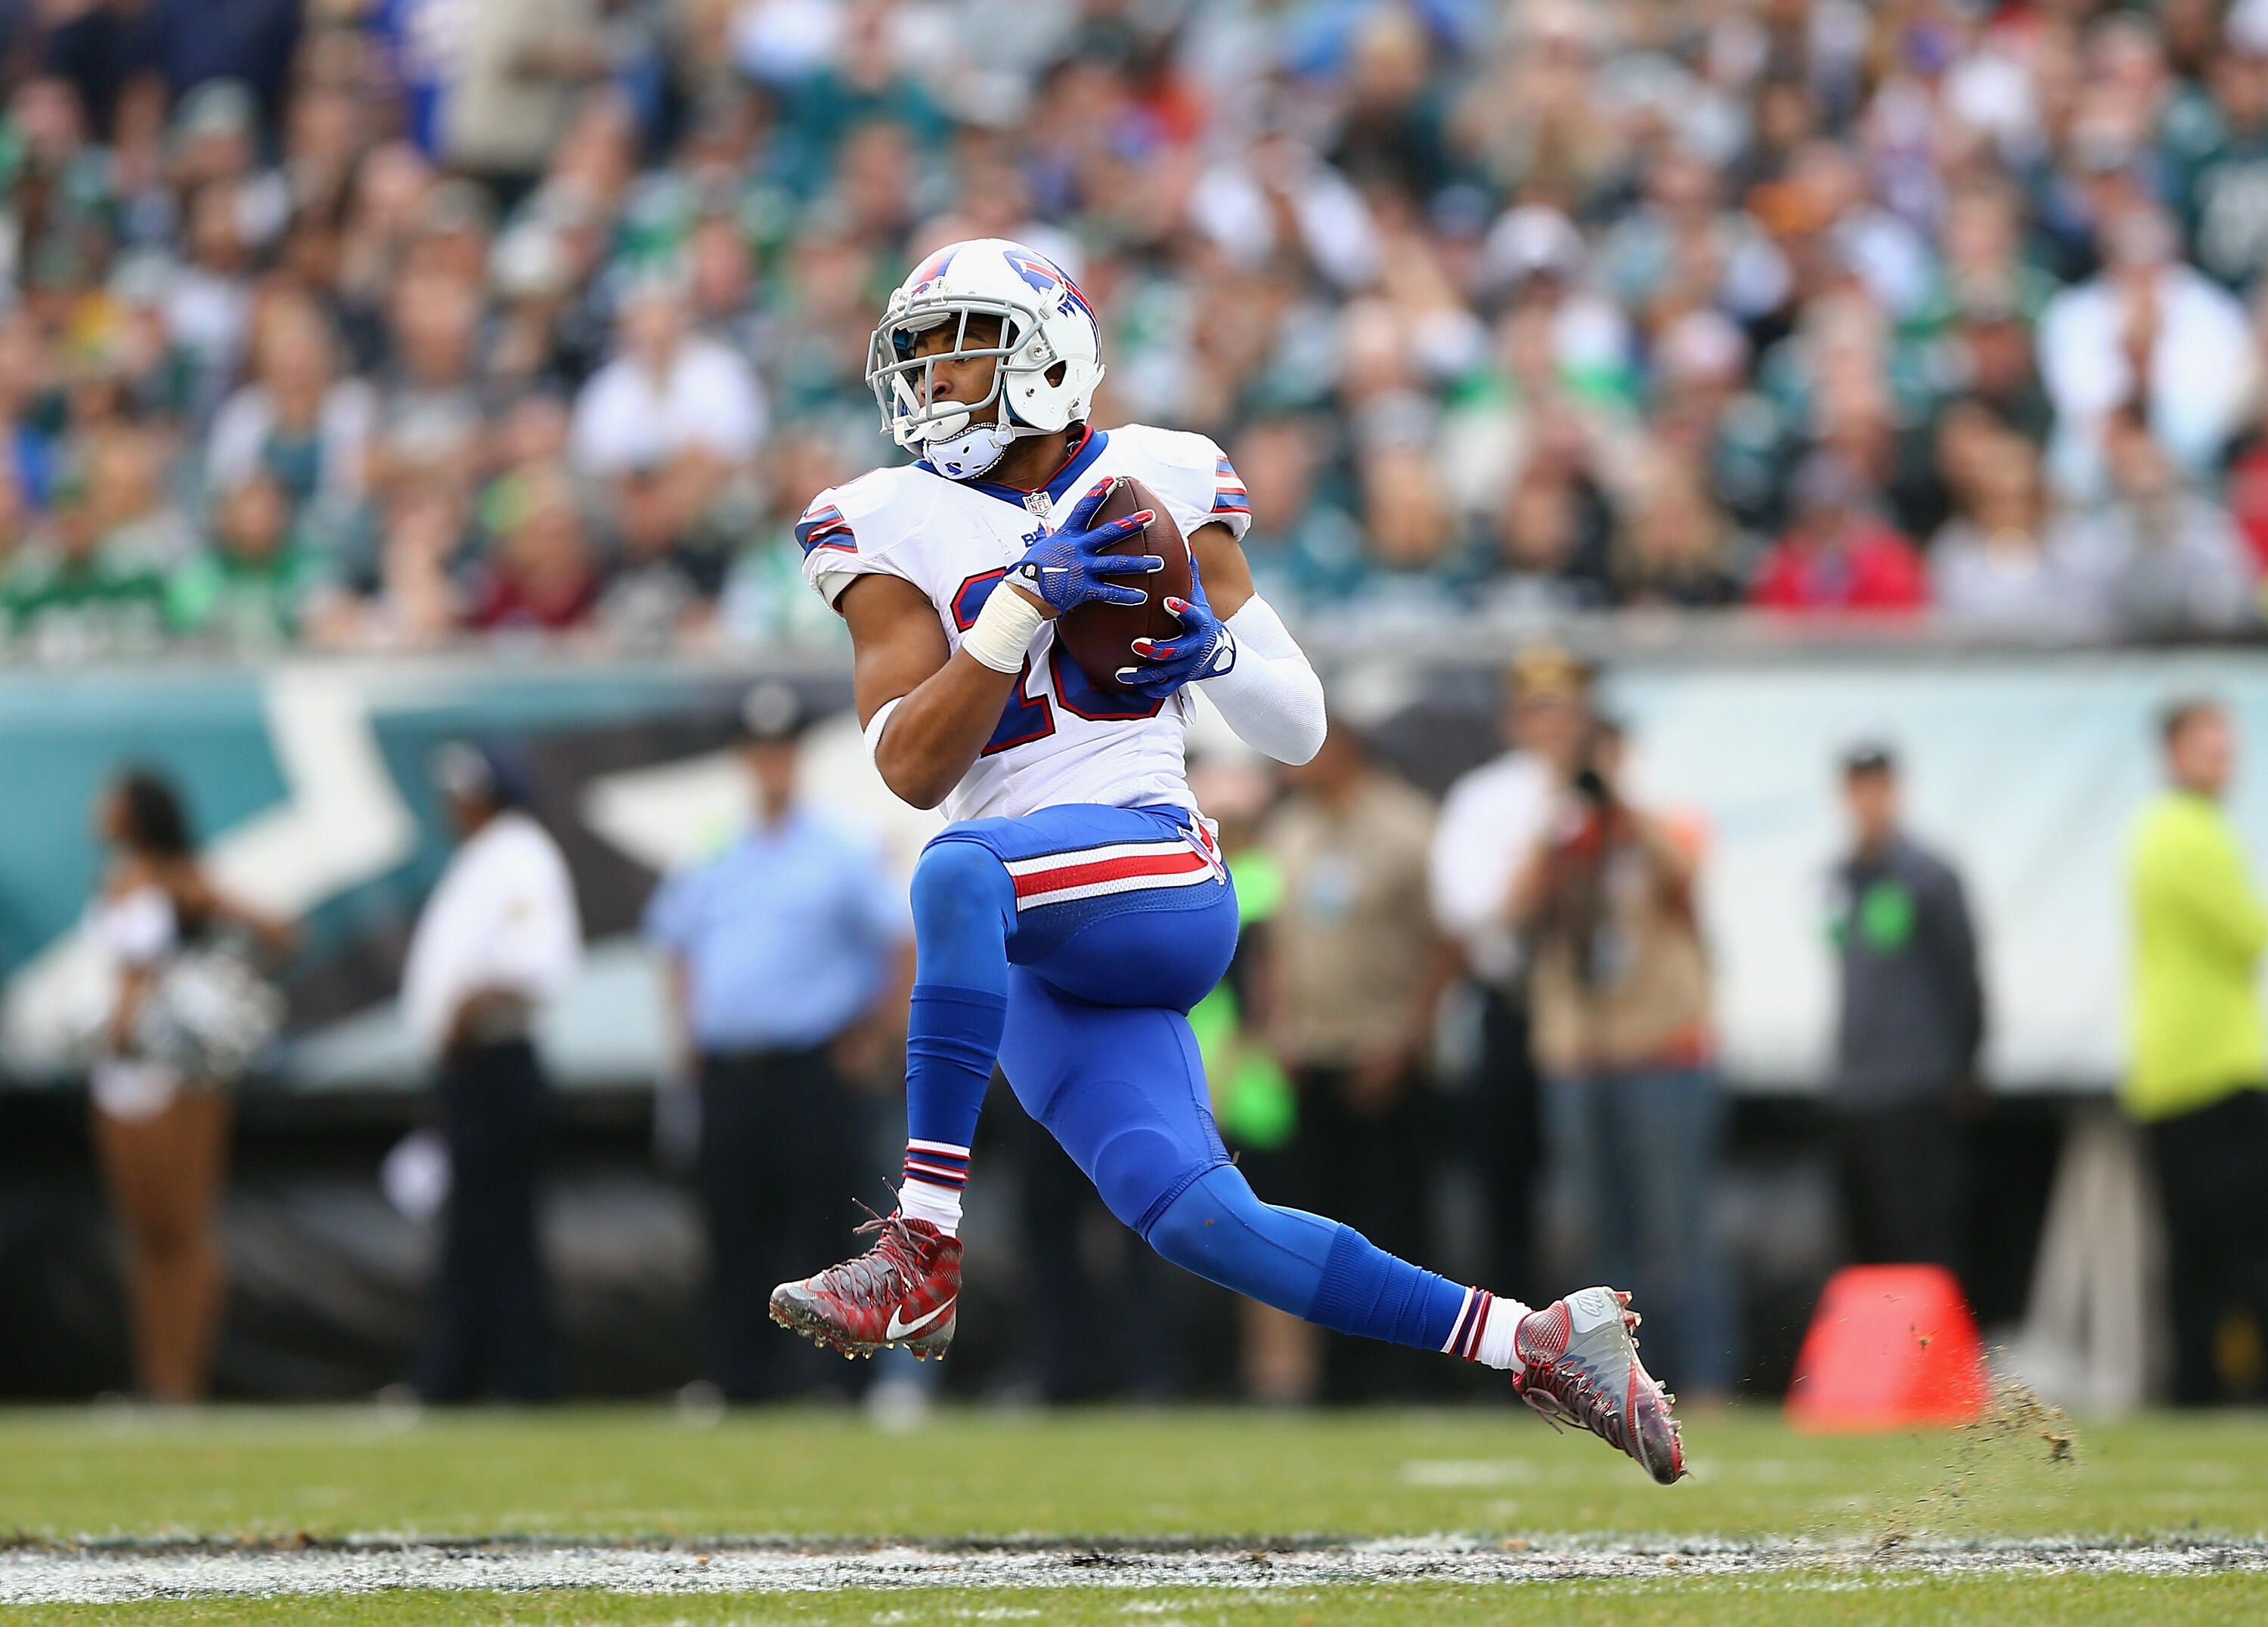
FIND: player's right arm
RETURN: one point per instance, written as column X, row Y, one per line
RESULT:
column 947, row 704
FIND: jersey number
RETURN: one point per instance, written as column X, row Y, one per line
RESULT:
column 1027, row 717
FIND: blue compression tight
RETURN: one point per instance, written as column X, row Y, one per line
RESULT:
column 1317, row 1269
column 964, row 907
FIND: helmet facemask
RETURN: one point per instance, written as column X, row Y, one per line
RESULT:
column 905, row 384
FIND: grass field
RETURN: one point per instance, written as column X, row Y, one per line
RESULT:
column 1120, row 1478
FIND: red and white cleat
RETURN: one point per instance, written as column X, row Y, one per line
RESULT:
column 903, row 1290
column 1580, row 1365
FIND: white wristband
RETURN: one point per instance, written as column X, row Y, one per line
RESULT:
column 875, row 724
column 1002, row 635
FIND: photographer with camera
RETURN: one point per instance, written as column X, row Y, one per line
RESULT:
column 1490, row 821
column 1619, row 993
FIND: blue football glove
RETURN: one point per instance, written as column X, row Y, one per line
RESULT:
column 1066, row 567
column 1202, row 648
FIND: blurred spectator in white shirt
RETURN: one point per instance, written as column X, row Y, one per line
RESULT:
column 666, row 393
column 670, row 420
column 2151, row 332
column 1278, row 196
column 499, row 938
column 500, row 934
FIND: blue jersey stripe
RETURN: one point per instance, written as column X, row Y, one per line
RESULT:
column 1228, row 496
column 824, row 526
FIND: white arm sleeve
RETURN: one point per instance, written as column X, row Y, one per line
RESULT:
column 1271, row 697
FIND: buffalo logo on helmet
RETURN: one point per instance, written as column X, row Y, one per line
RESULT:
column 1052, row 284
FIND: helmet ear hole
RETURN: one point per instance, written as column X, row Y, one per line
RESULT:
column 1056, row 374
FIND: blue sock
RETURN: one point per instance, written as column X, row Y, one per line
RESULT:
column 953, row 1037
column 1317, row 1269
column 964, row 905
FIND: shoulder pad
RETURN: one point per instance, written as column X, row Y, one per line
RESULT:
column 878, row 509
column 1177, row 448
column 1195, row 473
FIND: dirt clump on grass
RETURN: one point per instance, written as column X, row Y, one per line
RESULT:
column 2016, row 1431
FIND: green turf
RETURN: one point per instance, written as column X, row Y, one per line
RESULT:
column 624, row 1472
column 631, row 1472
column 1832, row 1601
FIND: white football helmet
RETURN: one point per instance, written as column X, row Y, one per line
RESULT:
column 1045, row 324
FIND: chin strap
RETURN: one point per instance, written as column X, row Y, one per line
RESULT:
column 972, row 453
column 978, row 449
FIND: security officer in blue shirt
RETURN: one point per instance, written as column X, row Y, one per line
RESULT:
column 785, row 952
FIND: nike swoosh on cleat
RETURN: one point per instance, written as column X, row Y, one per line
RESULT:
column 898, row 1330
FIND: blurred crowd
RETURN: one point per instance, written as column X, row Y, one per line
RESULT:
column 368, row 324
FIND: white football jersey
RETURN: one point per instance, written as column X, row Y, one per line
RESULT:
column 1060, row 739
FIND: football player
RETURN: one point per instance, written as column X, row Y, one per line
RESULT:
column 1077, row 906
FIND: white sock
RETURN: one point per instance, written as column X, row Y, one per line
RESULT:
column 935, row 1172
column 1484, row 1328
column 941, row 1206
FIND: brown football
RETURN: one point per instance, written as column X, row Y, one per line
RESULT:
column 1100, row 637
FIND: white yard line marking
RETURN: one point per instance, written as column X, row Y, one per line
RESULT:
column 106, row 1574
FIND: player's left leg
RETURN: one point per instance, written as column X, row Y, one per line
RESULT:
column 988, row 893
column 1124, row 1091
